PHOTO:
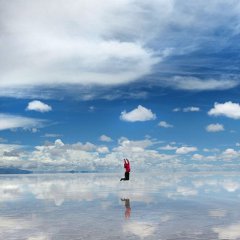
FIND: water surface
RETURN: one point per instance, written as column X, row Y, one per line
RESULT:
column 99, row 206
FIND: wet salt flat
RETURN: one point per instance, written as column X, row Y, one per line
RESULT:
column 99, row 206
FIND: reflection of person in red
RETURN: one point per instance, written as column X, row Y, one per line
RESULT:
column 127, row 206
column 127, row 170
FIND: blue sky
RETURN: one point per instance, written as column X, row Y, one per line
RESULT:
column 87, row 83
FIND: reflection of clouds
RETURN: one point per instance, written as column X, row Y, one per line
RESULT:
column 186, row 191
column 89, row 187
column 166, row 218
column 228, row 232
column 20, row 228
column 140, row 229
column 90, row 202
column 230, row 186
column 217, row 213
column 39, row 237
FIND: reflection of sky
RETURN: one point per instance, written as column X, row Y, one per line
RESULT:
column 90, row 206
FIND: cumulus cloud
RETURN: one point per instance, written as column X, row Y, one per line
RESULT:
column 164, row 124
column 215, row 127
column 140, row 114
column 229, row 154
column 227, row 109
column 8, row 121
column 105, row 138
column 38, row 106
column 185, row 150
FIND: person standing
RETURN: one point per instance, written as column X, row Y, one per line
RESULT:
column 127, row 170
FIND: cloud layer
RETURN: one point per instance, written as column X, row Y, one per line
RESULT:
column 108, row 43
column 8, row 121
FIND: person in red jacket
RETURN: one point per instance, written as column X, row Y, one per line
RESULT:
column 127, row 170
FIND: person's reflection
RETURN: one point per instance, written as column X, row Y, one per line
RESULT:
column 127, row 207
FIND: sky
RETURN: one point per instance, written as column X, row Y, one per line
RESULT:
column 84, row 84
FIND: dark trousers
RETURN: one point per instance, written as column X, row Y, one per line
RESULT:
column 127, row 174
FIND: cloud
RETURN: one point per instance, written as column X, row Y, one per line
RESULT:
column 140, row 114
column 38, row 106
column 215, row 127
column 165, row 124
column 8, row 121
column 168, row 147
column 52, row 135
column 187, row 109
column 229, row 154
column 197, row 157
column 197, row 84
column 105, row 138
column 103, row 149
column 87, row 43
column 227, row 109
column 191, row 109
column 176, row 110
column 185, row 150
column 74, row 43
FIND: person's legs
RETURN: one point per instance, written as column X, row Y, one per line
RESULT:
column 126, row 177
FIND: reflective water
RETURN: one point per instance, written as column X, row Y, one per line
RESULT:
column 99, row 206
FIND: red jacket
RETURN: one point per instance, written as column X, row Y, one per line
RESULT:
column 127, row 165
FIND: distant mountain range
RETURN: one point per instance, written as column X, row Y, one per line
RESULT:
column 14, row 171
column 21, row 171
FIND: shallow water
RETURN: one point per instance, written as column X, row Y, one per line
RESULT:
column 99, row 206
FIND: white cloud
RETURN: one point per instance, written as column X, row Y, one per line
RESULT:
column 79, row 42
column 168, row 147
column 8, row 121
column 197, row 157
column 227, row 109
column 87, row 42
column 105, row 138
column 38, row 106
column 215, row 127
column 165, row 124
column 229, row 154
column 191, row 109
column 197, row 84
column 138, row 114
column 187, row 109
column 185, row 150
column 51, row 135
column 103, row 149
